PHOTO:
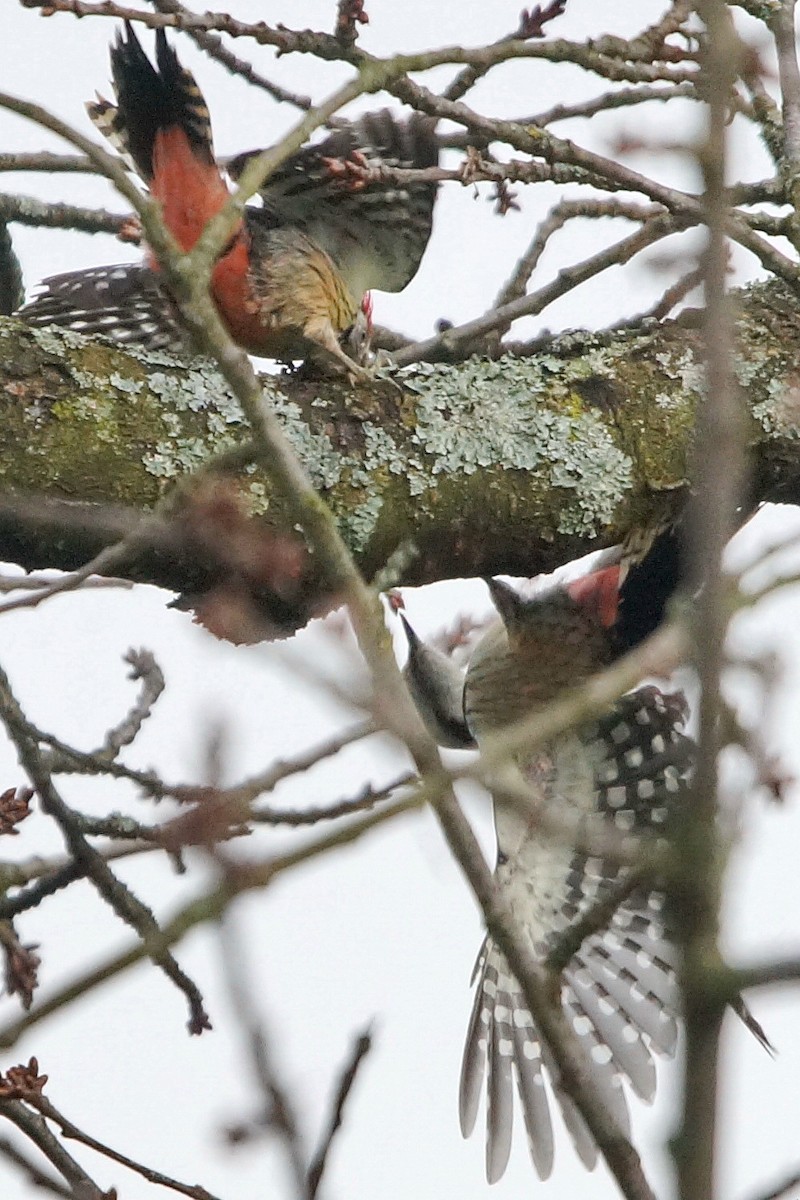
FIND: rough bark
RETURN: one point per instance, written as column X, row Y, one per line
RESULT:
column 508, row 466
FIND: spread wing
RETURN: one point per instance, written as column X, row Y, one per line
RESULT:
column 375, row 231
column 618, row 991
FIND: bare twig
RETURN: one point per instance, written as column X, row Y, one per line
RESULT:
column 35, row 1129
column 21, row 965
column 779, row 970
column 28, row 210
column 782, row 1188
column 35, row 582
column 74, row 1133
column 557, row 218
column 145, row 668
column 460, row 340
column 646, row 93
column 719, row 476
column 593, row 921
column 366, row 799
column 34, row 1173
column 278, row 1109
column 610, row 57
column 44, row 160
column 669, row 299
column 207, row 908
column 360, row 1049
column 349, row 15
column 113, row 891
column 531, row 25
column 783, row 28
column 237, row 66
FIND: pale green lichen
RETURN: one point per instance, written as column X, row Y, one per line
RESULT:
column 495, row 424
column 167, row 358
column 169, row 460
column 198, row 390
column 130, row 386
column 686, row 367
column 380, row 455
column 53, row 340
column 315, row 450
column 489, row 414
column 779, row 411
column 358, row 525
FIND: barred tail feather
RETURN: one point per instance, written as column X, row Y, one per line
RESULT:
column 126, row 304
column 149, row 100
column 577, row 1129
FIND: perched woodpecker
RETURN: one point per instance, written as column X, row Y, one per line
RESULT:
column 291, row 282
column 625, row 774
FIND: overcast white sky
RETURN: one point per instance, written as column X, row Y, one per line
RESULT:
column 385, row 931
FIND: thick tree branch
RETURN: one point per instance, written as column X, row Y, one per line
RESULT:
column 484, row 467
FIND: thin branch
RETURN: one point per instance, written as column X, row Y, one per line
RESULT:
column 360, row 1049
column 237, row 66
column 36, row 1176
column 207, row 908
column 53, row 880
column 278, row 1110
column 459, row 340
column 35, row 582
column 366, row 799
column 73, row 1132
column 595, row 919
column 124, row 903
column 538, row 142
column 465, row 80
column 558, row 216
column 611, row 57
column 28, row 210
column 67, row 759
column 782, row 1188
column 719, row 477
column 44, row 160
column 35, row 1129
column 781, row 970
column 783, row 28
column 619, row 98
column 145, row 668
column 51, row 875
column 669, row 299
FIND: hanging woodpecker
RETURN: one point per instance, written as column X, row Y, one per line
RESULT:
column 626, row 773
column 295, row 274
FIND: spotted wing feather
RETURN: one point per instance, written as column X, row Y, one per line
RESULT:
column 618, row 991
column 127, row 304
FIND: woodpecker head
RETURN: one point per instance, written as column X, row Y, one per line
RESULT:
column 356, row 341
column 539, row 647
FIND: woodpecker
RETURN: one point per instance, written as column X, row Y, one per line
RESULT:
column 627, row 773
column 293, row 279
